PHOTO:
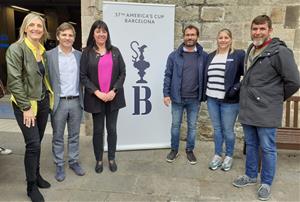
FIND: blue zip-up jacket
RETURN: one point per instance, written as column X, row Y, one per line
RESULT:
column 234, row 69
column 173, row 73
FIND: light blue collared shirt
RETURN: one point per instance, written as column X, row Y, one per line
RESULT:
column 68, row 73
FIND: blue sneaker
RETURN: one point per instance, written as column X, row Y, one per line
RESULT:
column 60, row 173
column 77, row 169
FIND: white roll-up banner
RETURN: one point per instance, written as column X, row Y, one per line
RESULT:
column 144, row 33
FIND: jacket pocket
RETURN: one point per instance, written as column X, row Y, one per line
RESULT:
column 258, row 99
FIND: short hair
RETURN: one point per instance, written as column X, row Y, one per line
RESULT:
column 65, row 26
column 262, row 19
column 191, row 27
column 26, row 21
column 98, row 24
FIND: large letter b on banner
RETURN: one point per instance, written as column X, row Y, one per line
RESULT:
column 138, row 100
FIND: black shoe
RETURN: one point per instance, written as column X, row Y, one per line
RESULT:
column 33, row 192
column 191, row 157
column 172, row 156
column 99, row 167
column 42, row 183
column 112, row 165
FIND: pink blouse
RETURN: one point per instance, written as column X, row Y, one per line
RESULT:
column 105, row 66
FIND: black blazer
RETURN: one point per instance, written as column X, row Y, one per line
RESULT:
column 89, row 79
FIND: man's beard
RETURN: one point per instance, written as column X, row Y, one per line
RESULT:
column 259, row 42
column 192, row 44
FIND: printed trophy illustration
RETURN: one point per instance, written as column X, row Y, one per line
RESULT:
column 140, row 64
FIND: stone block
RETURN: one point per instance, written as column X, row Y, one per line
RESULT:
column 236, row 30
column 277, row 15
column 209, row 31
column 173, row 2
column 297, row 40
column 85, row 27
column 238, row 13
column 278, row 2
column 282, row 33
column 177, row 43
column 297, row 57
column 292, row 17
column 207, row 45
column 178, row 30
column 194, row 2
column 188, row 13
column 212, row 14
column 240, row 44
column 267, row 2
column 222, row 2
column 88, row 6
column 246, row 31
column 260, row 10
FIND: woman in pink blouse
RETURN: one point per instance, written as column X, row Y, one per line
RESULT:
column 102, row 73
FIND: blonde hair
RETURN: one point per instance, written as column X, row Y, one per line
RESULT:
column 65, row 26
column 228, row 32
column 27, row 20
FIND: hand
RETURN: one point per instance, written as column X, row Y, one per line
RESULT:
column 28, row 118
column 111, row 95
column 102, row 96
column 167, row 101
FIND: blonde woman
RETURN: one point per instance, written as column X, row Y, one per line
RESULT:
column 224, row 69
column 29, row 85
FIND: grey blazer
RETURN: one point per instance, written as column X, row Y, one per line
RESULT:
column 52, row 59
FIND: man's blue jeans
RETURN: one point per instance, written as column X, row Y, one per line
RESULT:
column 264, row 138
column 223, row 117
column 192, row 108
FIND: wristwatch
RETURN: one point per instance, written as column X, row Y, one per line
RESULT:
column 115, row 90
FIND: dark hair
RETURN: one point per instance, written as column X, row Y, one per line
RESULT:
column 99, row 24
column 191, row 27
column 262, row 19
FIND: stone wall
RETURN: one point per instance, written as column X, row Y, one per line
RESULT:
column 210, row 16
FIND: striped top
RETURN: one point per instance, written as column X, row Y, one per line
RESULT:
column 216, row 74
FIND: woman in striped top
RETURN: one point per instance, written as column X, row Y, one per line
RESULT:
column 223, row 71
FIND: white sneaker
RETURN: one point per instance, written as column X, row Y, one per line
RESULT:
column 227, row 163
column 216, row 162
column 5, row 151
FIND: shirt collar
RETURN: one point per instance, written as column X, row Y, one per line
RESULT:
column 33, row 48
column 185, row 49
column 60, row 51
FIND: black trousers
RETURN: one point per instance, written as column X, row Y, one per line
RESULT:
column 111, row 127
column 33, row 137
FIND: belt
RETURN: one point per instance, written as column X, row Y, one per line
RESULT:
column 69, row 97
